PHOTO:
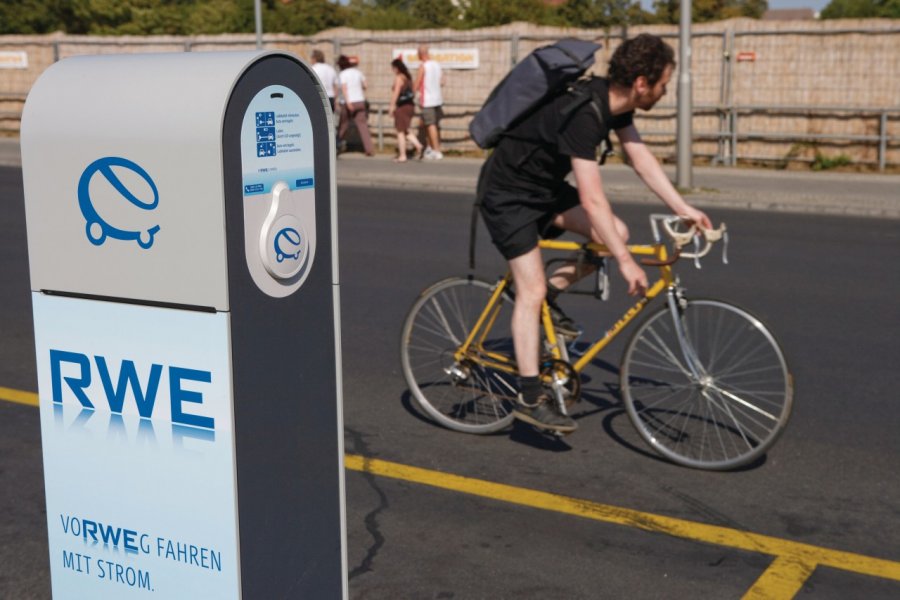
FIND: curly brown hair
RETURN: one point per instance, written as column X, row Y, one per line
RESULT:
column 646, row 55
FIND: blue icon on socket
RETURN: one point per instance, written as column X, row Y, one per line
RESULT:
column 97, row 228
column 291, row 237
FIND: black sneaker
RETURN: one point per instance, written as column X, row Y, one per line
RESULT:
column 563, row 324
column 544, row 415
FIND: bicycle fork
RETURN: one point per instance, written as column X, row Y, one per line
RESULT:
column 692, row 365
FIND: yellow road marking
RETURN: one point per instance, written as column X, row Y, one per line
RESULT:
column 18, row 396
column 798, row 559
column 793, row 565
column 783, row 579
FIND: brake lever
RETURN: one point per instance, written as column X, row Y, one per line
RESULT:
column 696, row 241
column 725, row 248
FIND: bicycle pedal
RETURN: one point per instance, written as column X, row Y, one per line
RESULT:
column 560, row 434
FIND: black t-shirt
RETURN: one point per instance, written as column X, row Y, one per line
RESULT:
column 534, row 157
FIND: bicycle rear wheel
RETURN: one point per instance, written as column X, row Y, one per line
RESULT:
column 465, row 394
column 717, row 401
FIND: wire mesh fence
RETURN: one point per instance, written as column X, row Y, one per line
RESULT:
column 762, row 91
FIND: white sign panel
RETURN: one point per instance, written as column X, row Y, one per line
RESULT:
column 13, row 59
column 448, row 58
column 137, row 430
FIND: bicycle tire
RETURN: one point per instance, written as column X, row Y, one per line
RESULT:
column 467, row 397
column 730, row 414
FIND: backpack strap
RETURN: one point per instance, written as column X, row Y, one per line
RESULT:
column 476, row 211
column 473, row 231
column 583, row 93
column 606, row 147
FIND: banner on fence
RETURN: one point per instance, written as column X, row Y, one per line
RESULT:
column 11, row 59
column 448, row 58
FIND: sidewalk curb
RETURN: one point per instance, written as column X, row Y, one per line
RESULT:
column 784, row 203
column 812, row 193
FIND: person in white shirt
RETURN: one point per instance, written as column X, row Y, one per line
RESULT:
column 327, row 75
column 429, row 79
column 353, row 103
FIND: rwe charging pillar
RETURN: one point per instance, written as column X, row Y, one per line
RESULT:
column 182, row 245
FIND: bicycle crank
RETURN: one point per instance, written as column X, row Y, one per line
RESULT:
column 563, row 378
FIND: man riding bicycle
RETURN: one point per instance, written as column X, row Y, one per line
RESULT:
column 524, row 196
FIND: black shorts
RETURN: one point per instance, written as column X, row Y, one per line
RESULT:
column 517, row 222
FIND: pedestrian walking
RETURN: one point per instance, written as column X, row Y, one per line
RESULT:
column 327, row 75
column 353, row 98
column 402, row 108
column 429, row 80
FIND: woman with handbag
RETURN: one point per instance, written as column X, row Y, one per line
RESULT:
column 402, row 109
column 353, row 107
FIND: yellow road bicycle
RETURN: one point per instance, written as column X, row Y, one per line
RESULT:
column 704, row 381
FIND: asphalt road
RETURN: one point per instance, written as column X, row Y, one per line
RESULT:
column 828, row 286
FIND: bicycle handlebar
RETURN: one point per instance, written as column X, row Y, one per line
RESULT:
column 655, row 262
column 703, row 239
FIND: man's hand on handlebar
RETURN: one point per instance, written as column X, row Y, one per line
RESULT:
column 697, row 216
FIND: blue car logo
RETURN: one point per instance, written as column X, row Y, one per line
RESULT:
column 292, row 237
column 98, row 229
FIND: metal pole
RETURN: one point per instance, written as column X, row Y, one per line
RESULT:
column 257, row 10
column 729, row 99
column 380, row 127
column 882, row 142
column 734, row 136
column 720, row 113
column 683, row 177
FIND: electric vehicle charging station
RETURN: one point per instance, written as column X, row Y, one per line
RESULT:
column 181, row 221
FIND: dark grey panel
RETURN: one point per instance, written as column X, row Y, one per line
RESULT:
column 286, row 413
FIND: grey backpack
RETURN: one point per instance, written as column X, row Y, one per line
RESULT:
column 540, row 76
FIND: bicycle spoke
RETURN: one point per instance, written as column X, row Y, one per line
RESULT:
column 663, row 396
column 745, row 403
column 746, row 357
column 659, row 367
column 434, row 331
column 663, row 351
column 443, row 320
column 724, row 407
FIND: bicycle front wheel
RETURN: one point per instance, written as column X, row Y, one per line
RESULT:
column 708, row 389
column 472, row 393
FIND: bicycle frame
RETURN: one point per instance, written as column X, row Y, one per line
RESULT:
column 474, row 343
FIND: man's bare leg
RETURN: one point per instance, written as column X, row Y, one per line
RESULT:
column 534, row 405
column 434, row 137
column 576, row 221
column 528, row 276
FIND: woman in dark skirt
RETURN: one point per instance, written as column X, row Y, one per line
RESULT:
column 402, row 109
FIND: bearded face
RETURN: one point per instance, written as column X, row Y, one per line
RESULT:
column 648, row 96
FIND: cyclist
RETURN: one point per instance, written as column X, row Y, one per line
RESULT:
column 524, row 195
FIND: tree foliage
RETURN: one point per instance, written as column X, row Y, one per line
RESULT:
column 862, row 9
column 305, row 17
column 487, row 13
column 604, row 13
column 402, row 14
column 669, row 11
column 174, row 17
